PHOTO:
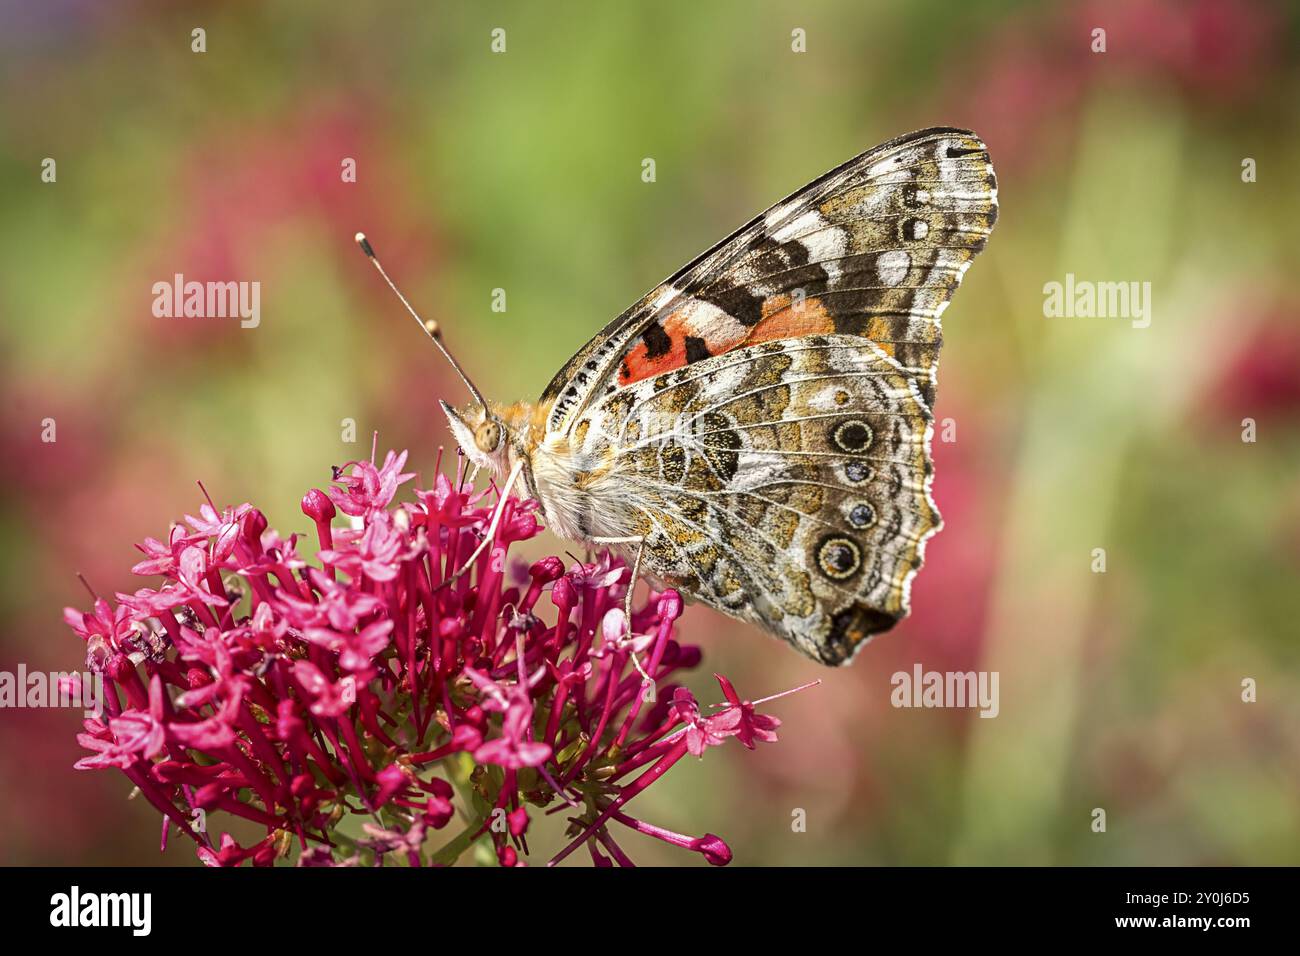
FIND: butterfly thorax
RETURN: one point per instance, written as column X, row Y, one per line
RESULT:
column 570, row 475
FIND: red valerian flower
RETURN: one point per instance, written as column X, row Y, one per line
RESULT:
column 374, row 683
column 741, row 719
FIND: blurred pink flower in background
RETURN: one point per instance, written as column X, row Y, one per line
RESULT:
column 42, row 470
column 289, row 168
column 1041, row 64
column 1259, row 375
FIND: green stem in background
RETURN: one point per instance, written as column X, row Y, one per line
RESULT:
column 460, row 769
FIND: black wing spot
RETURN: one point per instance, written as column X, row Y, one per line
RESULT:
column 862, row 515
column 838, row 558
column 849, row 628
column 915, row 229
column 853, row 436
column 857, row 472
column 736, row 301
column 695, row 349
column 657, row 341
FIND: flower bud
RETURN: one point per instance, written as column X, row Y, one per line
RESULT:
column 317, row 506
column 688, row 656
column 562, row 593
column 715, row 849
column 613, row 627
column 670, row 606
column 547, row 570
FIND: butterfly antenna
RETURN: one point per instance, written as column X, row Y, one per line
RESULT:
column 430, row 326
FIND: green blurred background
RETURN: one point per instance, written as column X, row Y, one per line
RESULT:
column 522, row 171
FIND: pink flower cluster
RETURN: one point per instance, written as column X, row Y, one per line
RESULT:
column 353, row 706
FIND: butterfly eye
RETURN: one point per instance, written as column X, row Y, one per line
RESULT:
column 488, row 436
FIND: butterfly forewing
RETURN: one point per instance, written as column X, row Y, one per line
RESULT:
column 874, row 247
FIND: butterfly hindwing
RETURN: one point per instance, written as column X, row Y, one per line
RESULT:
column 785, row 483
column 875, row 247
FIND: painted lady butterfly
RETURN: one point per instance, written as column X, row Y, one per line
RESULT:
column 756, row 430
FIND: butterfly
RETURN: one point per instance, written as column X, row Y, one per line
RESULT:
column 755, row 431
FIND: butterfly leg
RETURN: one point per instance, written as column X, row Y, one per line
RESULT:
column 639, row 541
column 491, row 534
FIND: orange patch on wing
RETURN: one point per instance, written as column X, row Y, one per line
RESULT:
column 781, row 320
column 878, row 331
column 638, row 364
